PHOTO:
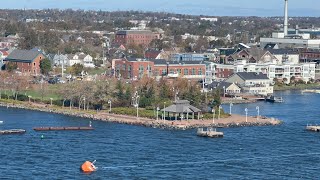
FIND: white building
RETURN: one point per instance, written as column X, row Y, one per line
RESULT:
column 80, row 58
column 305, row 71
column 211, row 19
column 252, row 83
column 60, row 59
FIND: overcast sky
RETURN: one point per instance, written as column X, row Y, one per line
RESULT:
column 197, row 7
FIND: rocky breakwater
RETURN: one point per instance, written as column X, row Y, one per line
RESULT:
column 232, row 121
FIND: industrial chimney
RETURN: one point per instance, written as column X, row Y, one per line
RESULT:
column 285, row 25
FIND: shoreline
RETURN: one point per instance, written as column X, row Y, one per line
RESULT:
column 232, row 121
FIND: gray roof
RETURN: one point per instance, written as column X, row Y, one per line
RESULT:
column 252, row 76
column 219, row 85
column 125, row 32
column 165, row 62
column 181, row 106
column 283, row 51
column 23, row 55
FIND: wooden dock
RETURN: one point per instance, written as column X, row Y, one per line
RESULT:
column 12, row 131
column 62, row 128
column 313, row 128
column 209, row 132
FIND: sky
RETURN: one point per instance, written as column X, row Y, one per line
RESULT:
column 194, row 7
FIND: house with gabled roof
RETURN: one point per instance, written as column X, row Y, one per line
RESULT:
column 27, row 61
column 252, row 82
column 224, row 87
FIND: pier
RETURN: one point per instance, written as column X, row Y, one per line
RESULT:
column 12, row 131
column 62, row 128
column 209, row 132
column 313, row 128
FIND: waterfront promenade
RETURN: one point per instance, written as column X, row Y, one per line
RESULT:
column 231, row 121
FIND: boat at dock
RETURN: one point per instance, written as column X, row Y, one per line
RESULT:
column 62, row 128
column 310, row 91
column 209, row 132
column 12, row 131
column 313, row 128
column 274, row 99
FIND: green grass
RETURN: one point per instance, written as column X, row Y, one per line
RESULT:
column 283, row 87
column 94, row 71
column 37, row 95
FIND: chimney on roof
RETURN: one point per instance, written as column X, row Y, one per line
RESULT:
column 285, row 25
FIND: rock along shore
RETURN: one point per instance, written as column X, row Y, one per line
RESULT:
column 232, row 121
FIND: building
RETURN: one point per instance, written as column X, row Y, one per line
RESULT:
column 152, row 54
column 285, row 40
column 285, row 56
column 80, row 58
column 188, row 57
column 252, row 83
column 218, row 72
column 59, row 59
column 181, row 109
column 133, row 68
column 225, row 87
column 305, row 71
column 137, row 37
column 190, row 69
column 27, row 61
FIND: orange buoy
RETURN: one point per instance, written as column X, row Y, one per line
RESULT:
column 88, row 167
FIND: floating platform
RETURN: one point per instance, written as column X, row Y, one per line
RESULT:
column 310, row 91
column 209, row 132
column 313, row 128
column 62, row 128
column 12, row 131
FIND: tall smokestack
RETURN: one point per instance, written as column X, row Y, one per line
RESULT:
column 285, row 25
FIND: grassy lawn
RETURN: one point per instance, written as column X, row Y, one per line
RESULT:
column 295, row 87
column 37, row 95
column 94, row 71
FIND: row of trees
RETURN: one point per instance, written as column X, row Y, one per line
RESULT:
column 152, row 93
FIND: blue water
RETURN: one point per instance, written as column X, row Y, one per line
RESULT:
column 131, row 152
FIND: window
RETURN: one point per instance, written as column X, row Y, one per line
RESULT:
column 179, row 71
column 164, row 72
column 29, row 64
column 200, row 71
column 34, row 64
column 193, row 72
column 171, row 71
column 156, row 72
column 185, row 72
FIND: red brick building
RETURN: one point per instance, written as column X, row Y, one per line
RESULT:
column 133, row 68
column 310, row 56
column 27, row 61
column 138, row 37
column 137, row 68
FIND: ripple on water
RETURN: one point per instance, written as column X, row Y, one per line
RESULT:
column 132, row 152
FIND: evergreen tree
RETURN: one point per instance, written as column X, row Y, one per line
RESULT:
column 45, row 66
column 216, row 99
column 127, row 96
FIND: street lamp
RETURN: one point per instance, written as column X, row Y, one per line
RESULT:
column 164, row 111
column 258, row 111
column 51, row 101
column 135, row 99
column 29, row 98
column 246, row 110
column 109, row 102
column 84, row 103
column 219, row 111
column 231, row 108
column 158, row 112
column 214, row 113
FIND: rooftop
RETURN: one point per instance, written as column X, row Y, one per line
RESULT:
column 23, row 55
